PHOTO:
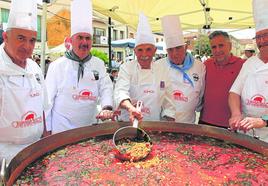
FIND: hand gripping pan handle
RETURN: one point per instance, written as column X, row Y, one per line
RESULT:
column 138, row 107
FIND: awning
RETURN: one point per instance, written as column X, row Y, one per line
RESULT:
column 194, row 14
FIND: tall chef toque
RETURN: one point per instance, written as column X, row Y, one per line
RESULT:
column 172, row 31
column 23, row 14
column 260, row 14
column 81, row 16
column 144, row 33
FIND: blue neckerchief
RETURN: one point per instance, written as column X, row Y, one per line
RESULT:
column 187, row 64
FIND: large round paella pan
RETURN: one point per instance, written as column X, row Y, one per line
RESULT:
column 182, row 154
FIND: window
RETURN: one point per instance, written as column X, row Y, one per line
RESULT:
column 4, row 19
column 119, row 56
column 121, row 34
column 98, row 32
column 114, row 34
column 4, row 15
column 39, row 28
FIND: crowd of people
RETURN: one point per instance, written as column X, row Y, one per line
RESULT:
column 228, row 91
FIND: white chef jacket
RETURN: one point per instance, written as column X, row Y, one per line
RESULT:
column 73, row 104
column 187, row 99
column 22, row 102
column 151, row 86
column 252, row 85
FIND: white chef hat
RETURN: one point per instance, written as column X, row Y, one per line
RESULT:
column 260, row 14
column 144, row 33
column 81, row 16
column 23, row 14
column 172, row 31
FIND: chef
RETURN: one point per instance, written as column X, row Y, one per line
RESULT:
column 250, row 89
column 22, row 89
column 78, row 81
column 143, row 80
column 186, row 74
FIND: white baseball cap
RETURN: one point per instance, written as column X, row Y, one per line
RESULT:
column 250, row 47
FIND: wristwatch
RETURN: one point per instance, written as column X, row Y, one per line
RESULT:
column 265, row 118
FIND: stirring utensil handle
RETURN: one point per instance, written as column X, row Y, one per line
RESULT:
column 138, row 107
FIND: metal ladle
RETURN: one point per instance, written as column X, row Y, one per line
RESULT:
column 131, row 133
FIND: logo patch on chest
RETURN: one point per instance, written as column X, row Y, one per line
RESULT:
column 195, row 77
column 38, row 78
column 162, row 84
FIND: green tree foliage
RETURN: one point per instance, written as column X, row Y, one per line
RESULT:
column 202, row 45
column 100, row 54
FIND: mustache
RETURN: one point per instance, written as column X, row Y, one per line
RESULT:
column 83, row 46
column 144, row 58
column 26, row 51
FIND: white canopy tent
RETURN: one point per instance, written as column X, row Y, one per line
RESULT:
column 194, row 14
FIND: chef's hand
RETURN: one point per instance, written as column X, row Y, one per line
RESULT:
column 105, row 114
column 249, row 123
column 134, row 113
column 132, row 110
column 234, row 121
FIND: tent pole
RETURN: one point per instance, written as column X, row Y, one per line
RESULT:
column 109, row 41
column 43, row 36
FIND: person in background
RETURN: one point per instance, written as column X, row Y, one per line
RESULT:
column 143, row 80
column 221, row 70
column 77, row 81
column 249, row 51
column 47, row 63
column 197, row 57
column 1, row 36
column 23, row 95
column 37, row 60
column 249, row 93
column 205, row 57
column 115, row 63
column 186, row 74
column 114, row 75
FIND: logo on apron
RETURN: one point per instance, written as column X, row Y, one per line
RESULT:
column 84, row 95
column 179, row 96
column 27, row 120
column 257, row 101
